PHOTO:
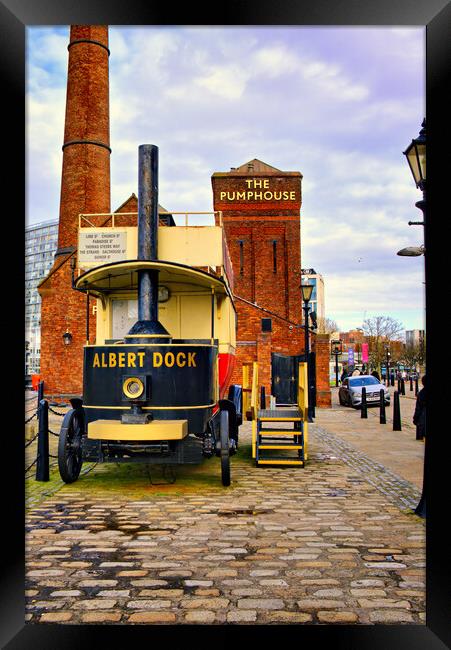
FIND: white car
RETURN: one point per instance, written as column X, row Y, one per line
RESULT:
column 350, row 392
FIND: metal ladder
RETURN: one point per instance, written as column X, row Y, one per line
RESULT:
column 275, row 445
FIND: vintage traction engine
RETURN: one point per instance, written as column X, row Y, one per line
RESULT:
column 156, row 393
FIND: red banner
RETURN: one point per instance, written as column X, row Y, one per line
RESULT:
column 365, row 352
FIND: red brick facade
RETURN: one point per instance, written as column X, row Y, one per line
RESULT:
column 260, row 208
column 85, row 187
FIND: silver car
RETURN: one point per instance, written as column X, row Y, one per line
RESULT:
column 350, row 392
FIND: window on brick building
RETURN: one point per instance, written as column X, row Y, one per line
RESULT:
column 266, row 324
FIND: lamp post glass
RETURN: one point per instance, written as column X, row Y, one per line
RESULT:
column 416, row 157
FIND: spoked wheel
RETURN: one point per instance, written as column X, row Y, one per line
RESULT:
column 225, row 452
column 69, row 445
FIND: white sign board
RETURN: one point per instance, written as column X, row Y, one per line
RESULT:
column 97, row 247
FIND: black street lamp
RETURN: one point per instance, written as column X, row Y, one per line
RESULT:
column 387, row 364
column 307, row 290
column 416, row 157
column 336, row 351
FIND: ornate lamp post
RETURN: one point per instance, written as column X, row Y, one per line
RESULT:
column 336, row 351
column 416, row 157
column 306, row 290
column 387, row 364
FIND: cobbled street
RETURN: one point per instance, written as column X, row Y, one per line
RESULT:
column 335, row 542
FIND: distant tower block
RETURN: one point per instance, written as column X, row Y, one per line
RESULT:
column 85, row 187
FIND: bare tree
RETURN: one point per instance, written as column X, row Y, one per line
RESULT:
column 380, row 332
column 327, row 326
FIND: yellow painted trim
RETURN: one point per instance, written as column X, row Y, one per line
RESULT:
column 155, row 430
column 265, row 446
column 280, row 462
column 151, row 408
column 283, row 432
column 147, row 336
column 254, row 438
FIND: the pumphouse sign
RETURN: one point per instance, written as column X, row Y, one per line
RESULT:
column 259, row 189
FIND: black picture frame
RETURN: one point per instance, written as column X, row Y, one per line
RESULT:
column 435, row 15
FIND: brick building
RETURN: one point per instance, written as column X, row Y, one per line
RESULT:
column 260, row 208
column 261, row 211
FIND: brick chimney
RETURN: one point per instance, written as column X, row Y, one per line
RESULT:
column 85, row 187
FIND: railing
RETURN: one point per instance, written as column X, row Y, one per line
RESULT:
column 254, row 407
column 217, row 214
column 41, row 436
column 303, row 401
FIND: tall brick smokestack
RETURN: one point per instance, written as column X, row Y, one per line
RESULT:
column 85, row 188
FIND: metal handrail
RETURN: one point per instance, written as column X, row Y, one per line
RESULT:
column 83, row 216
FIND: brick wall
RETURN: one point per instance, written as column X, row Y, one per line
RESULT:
column 321, row 345
column 263, row 232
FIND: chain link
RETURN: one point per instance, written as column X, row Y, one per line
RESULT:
column 54, row 434
column 56, row 412
column 27, row 444
column 33, row 463
column 30, row 418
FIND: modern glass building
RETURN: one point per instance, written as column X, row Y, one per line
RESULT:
column 310, row 276
column 40, row 246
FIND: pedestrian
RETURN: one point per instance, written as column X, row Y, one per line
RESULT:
column 419, row 416
column 376, row 374
column 344, row 374
column 355, row 372
column 403, row 375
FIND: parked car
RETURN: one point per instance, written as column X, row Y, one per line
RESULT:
column 350, row 392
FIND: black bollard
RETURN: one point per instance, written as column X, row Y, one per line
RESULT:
column 396, row 412
column 262, row 397
column 403, row 387
column 42, row 465
column 393, row 379
column 411, row 384
column 416, row 386
column 364, row 413
column 399, row 386
column 382, row 418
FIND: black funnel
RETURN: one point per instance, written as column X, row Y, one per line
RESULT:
column 148, row 329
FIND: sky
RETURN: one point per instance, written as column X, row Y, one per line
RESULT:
column 338, row 104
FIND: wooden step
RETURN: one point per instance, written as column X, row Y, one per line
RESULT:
column 280, row 432
column 276, row 461
column 279, row 415
column 265, row 446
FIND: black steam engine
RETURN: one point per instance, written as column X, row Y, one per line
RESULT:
column 154, row 395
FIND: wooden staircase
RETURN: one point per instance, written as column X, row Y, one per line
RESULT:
column 274, row 442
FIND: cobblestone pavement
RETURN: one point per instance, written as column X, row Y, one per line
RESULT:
column 323, row 544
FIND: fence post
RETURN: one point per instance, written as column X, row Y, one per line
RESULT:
column 364, row 413
column 42, row 464
column 262, row 397
column 396, row 412
column 392, row 379
column 40, row 392
column 416, row 386
column 382, row 418
column 403, row 387
column 411, row 384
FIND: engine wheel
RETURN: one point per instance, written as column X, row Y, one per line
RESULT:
column 69, row 445
column 225, row 451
